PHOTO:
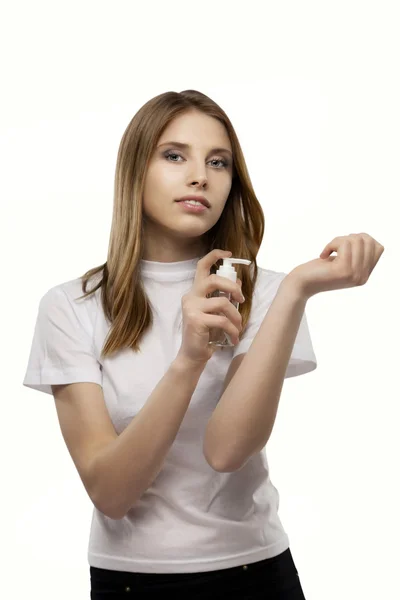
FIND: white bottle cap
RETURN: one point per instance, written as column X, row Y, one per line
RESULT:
column 228, row 271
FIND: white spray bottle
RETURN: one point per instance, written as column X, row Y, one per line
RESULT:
column 219, row 337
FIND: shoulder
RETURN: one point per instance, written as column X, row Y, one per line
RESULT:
column 68, row 297
column 73, row 291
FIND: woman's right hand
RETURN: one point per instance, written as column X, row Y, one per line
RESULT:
column 197, row 310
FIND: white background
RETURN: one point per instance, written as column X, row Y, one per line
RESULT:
column 313, row 90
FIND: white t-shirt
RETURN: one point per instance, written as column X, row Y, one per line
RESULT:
column 191, row 518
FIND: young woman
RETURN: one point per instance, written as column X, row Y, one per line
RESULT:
column 167, row 431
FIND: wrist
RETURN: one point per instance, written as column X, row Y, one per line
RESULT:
column 293, row 286
column 183, row 363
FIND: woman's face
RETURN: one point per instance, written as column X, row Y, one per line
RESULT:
column 171, row 232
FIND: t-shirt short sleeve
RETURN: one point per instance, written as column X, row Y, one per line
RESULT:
column 302, row 359
column 62, row 345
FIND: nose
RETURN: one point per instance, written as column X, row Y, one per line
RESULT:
column 198, row 173
column 200, row 181
column 198, row 184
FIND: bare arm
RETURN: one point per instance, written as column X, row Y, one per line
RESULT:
column 128, row 465
column 242, row 422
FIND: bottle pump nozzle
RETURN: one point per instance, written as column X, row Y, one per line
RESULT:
column 228, row 271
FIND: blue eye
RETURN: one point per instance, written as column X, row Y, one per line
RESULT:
column 168, row 154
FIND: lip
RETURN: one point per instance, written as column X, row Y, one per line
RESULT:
column 198, row 208
column 198, row 198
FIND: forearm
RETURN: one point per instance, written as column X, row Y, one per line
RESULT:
column 242, row 421
column 129, row 465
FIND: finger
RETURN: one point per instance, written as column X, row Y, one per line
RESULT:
column 357, row 256
column 371, row 257
column 218, row 305
column 369, row 260
column 222, row 322
column 204, row 265
column 342, row 246
column 212, row 283
column 378, row 251
column 331, row 247
column 345, row 252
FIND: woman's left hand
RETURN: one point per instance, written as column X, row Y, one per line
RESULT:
column 357, row 255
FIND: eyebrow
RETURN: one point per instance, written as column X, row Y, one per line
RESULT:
column 187, row 147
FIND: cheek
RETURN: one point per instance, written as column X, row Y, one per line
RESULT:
column 153, row 186
column 222, row 183
column 162, row 182
column 224, row 190
column 159, row 193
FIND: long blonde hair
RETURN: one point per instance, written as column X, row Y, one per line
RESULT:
column 239, row 229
